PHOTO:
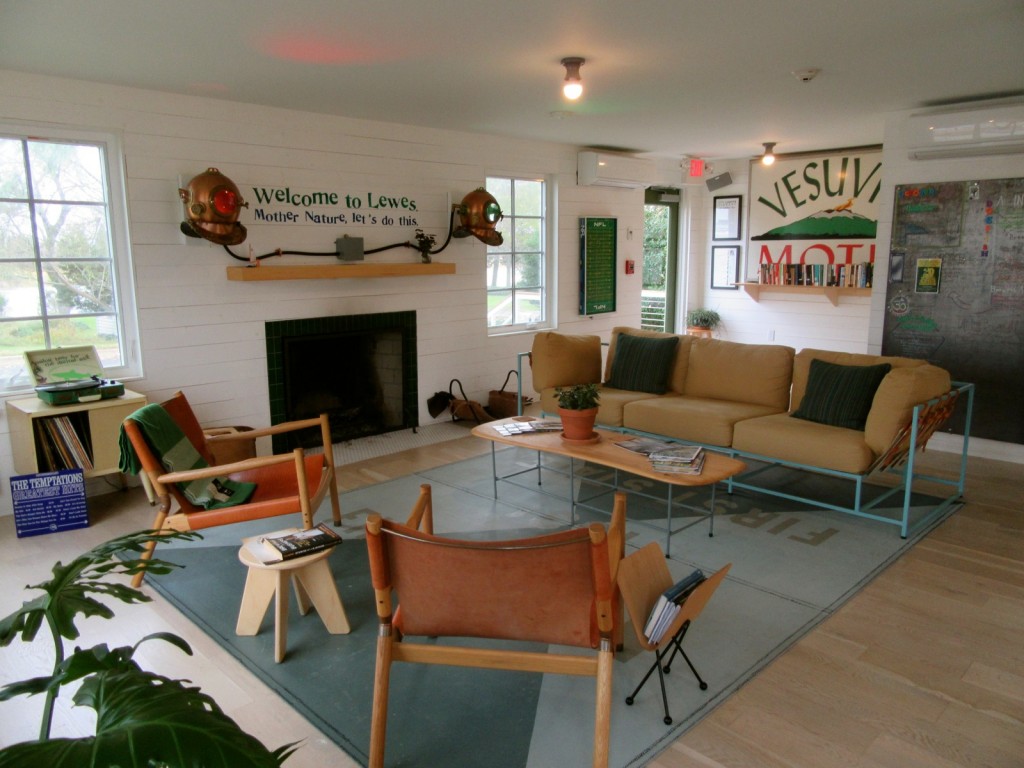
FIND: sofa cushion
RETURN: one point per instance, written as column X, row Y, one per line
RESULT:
column 802, row 366
column 561, row 359
column 840, row 395
column 693, row 419
column 611, row 409
column 643, row 364
column 741, row 373
column 899, row 392
column 782, row 437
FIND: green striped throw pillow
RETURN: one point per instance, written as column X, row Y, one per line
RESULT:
column 643, row 364
column 840, row 395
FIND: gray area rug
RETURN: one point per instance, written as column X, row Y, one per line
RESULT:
column 792, row 567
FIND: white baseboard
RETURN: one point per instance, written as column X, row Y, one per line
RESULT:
column 978, row 446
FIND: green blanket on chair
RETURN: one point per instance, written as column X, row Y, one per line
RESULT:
column 177, row 454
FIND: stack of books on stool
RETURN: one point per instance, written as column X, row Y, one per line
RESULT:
column 284, row 545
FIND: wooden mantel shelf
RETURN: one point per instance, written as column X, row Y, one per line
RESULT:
column 331, row 271
column 831, row 292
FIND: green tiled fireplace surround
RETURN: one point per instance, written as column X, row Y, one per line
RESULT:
column 278, row 332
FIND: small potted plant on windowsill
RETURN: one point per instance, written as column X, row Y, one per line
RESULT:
column 702, row 320
column 577, row 405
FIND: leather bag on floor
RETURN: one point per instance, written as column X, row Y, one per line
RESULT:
column 464, row 409
column 502, row 403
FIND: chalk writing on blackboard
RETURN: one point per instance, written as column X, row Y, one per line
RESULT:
column 955, row 292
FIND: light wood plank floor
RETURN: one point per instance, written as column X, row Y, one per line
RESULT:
column 924, row 667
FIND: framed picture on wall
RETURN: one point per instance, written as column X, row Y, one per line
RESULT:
column 725, row 266
column 726, row 225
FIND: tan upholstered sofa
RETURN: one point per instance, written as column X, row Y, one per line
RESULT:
column 752, row 400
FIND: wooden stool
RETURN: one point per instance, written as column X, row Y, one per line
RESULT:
column 311, row 576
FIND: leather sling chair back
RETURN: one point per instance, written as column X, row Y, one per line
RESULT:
column 290, row 483
column 556, row 588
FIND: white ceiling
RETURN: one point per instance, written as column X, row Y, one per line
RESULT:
column 665, row 77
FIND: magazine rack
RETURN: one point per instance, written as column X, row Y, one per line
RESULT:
column 643, row 576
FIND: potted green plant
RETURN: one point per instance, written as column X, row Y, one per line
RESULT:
column 703, row 318
column 142, row 719
column 577, row 405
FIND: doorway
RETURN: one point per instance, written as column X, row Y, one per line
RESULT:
column 661, row 257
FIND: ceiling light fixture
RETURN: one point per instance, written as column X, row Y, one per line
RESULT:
column 769, row 153
column 573, row 87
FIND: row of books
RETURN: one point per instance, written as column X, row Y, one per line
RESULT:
column 290, row 543
column 670, row 458
column 61, row 447
column 840, row 275
column 669, row 603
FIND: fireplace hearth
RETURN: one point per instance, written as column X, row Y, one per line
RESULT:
column 358, row 369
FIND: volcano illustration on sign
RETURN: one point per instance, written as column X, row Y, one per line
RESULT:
column 839, row 223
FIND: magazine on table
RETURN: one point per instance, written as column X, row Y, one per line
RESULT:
column 677, row 454
column 669, row 604
column 526, row 427
column 645, row 446
column 291, row 542
column 684, row 461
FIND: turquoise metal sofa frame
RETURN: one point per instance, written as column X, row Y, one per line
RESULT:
column 898, row 460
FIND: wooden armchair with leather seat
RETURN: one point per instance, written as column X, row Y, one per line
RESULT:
column 289, row 483
column 556, row 588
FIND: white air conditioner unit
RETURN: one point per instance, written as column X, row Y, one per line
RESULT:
column 973, row 132
column 606, row 170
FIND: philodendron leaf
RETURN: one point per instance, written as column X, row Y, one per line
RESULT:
column 144, row 720
column 69, row 594
column 88, row 661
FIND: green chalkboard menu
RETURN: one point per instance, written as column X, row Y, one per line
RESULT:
column 597, row 265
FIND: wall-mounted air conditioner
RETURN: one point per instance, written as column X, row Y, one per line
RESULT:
column 973, row 132
column 607, row 170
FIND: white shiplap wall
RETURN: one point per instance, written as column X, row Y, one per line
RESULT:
column 205, row 335
column 794, row 320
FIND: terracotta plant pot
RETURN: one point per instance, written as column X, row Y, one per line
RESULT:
column 578, row 425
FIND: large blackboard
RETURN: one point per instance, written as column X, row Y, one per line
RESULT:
column 956, row 292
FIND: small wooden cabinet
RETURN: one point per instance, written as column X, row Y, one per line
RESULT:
column 96, row 424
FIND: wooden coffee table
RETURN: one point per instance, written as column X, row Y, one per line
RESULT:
column 604, row 452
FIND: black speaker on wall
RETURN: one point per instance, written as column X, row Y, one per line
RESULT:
column 719, row 181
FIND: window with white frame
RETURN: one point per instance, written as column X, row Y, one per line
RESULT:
column 518, row 270
column 65, row 270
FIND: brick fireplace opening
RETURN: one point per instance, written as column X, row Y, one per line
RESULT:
column 359, row 369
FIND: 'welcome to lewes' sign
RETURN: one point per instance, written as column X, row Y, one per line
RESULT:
column 815, row 209
column 285, row 205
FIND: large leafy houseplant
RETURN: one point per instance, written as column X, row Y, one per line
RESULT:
column 143, row 720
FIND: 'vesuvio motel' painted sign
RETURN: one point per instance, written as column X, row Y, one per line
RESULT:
column 817, row 208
